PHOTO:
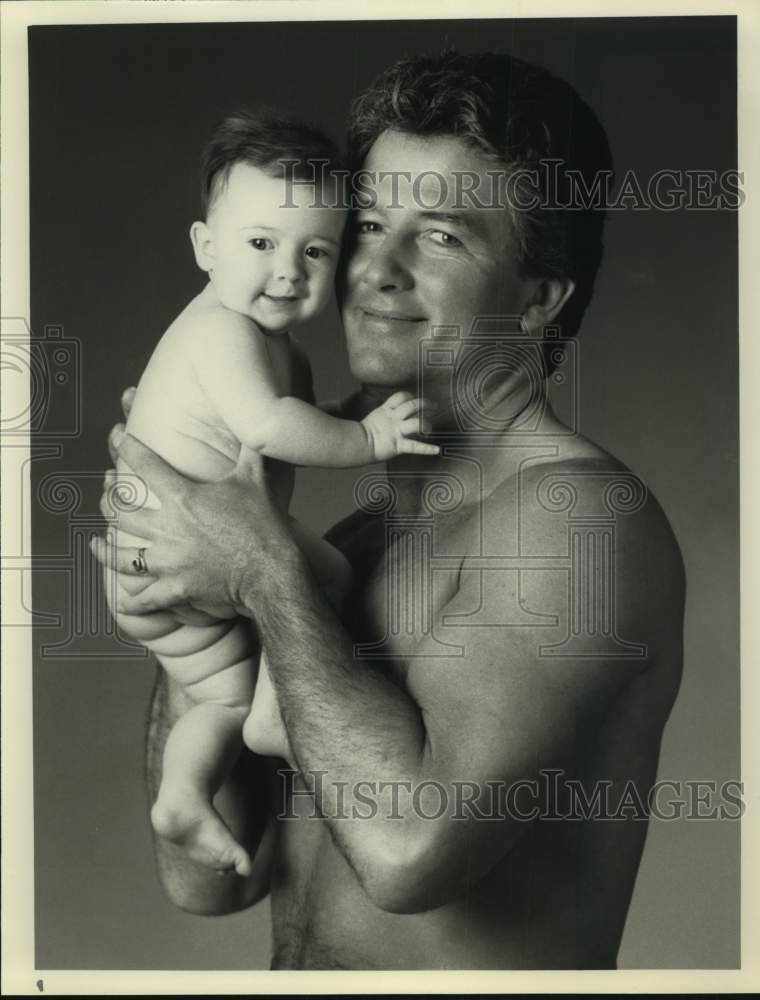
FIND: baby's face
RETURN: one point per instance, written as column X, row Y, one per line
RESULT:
column 271, row 252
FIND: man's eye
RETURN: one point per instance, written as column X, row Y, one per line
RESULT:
column 368, row 227
column 316, row 253
column 445, row 239
column 259, row 243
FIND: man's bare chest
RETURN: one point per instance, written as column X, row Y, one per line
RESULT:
column 414, row 576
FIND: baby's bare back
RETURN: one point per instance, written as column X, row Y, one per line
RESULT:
column 173, row 414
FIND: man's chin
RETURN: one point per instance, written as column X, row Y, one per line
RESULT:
column 376, row 370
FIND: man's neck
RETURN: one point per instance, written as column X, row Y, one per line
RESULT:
column 470, row 466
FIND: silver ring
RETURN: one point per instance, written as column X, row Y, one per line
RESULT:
column 140, row 565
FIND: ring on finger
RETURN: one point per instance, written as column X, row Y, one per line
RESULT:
column 139, row 564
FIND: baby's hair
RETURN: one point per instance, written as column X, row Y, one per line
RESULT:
column 279, row 145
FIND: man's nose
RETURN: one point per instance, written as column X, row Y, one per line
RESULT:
column 388, row 267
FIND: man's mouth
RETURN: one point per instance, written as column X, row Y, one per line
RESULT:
column 388, row 315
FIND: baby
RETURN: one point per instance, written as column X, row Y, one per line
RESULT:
column 227, row 373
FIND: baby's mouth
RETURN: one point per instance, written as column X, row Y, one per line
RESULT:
column 281, row 299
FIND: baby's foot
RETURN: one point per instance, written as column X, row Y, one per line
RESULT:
column 191, row 822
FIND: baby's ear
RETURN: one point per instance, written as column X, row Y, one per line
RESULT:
column 203, row 245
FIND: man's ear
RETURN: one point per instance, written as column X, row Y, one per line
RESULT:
column 546, row 300
column 203, row 245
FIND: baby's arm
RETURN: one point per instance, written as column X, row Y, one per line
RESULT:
column 234, row 370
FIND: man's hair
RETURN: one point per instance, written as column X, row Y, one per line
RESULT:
column 276, row 143
column 519, row 115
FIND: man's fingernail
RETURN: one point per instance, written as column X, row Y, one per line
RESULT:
column 117, row 436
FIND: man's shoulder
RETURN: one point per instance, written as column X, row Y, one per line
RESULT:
column 546, row 503
column 588, row 509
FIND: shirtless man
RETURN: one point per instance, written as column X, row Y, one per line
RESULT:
column 517, row 622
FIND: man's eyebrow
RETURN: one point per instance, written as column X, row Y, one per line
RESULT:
column 464, row 220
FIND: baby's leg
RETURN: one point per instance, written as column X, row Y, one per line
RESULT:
column 199, row 754
column 264, row 731
column 214, row 660
column 202, row 748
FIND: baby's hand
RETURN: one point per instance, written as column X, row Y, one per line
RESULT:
column 389, row 426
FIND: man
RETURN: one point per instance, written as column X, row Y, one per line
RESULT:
column 503, row 675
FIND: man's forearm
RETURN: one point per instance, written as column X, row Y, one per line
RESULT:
column 243, row 802
column 343, row 716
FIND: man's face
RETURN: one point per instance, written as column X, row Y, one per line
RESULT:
column 415, row 267
column 272, row 250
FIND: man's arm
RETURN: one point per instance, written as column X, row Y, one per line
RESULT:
column 502, row 712
column 245, row 803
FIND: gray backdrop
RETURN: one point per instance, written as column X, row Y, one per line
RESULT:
column 118, row 117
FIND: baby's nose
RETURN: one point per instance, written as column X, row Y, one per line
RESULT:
column 289, row 266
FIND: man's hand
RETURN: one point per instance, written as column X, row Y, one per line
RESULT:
column 203, row 540
column 389, row 426
column 127, row 399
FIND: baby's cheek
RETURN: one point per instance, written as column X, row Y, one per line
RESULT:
column 321, row 293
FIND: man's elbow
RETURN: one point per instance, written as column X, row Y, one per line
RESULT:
column 415, row 870
column 400, row 896
column 407, row 882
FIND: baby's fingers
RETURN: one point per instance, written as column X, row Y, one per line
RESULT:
column 407, row 409
column 397, row 399
column 407, row 446
column 411, row 406
column 415, row 425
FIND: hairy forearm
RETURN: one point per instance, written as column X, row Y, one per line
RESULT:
column 243, row 802
column 301, row 434
column 344, row 716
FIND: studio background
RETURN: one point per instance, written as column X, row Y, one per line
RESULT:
column 118, row 116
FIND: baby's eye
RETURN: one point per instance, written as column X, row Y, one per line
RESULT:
column 444, row 239
column 316, row 253
column 260, row 243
